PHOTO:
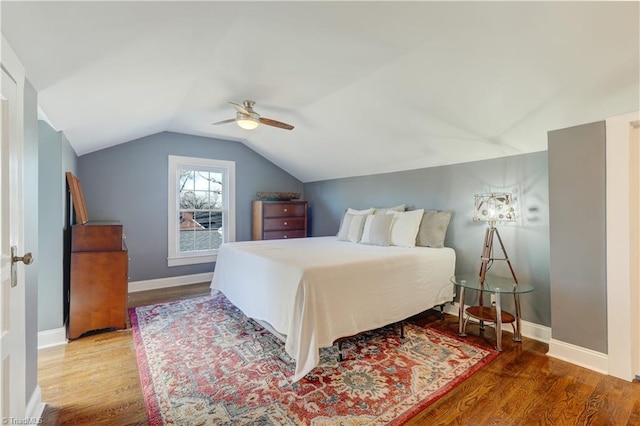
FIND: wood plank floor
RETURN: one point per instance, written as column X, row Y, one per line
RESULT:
column 94, row 381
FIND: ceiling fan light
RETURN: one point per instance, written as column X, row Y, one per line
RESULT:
column 247, row 122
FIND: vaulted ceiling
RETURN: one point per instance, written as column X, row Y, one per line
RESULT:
column 370, row 87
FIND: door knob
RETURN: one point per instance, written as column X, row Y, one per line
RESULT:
column 27, row 259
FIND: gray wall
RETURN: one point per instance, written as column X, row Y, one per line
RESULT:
column 452, row 188
column 578, row 230
column 55, row 158
column 128, row 183
column 31, row 234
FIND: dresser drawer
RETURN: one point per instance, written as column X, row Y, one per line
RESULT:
column 277, row 235
column 283, row 209
column 283, row 223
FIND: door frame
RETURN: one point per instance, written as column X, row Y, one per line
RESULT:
column 635, row 244
column 623, row 300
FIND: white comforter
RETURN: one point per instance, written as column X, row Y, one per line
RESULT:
column 316, row 290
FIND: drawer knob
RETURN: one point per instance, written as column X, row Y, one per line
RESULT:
column 285, row 236
column 286, row 210
column 286, row 223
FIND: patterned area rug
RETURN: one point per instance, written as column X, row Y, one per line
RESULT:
column 202, row 361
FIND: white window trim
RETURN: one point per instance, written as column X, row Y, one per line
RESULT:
column 174, row 258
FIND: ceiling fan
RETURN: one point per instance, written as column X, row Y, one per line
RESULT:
column 248, row 119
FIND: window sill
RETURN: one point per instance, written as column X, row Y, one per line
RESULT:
column 191, row 260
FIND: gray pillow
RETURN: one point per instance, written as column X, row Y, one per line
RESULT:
column 433, row 228
column 377, row 230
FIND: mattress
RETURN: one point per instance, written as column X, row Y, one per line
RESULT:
column 313, row 291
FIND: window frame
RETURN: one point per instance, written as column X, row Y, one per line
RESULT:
column 228, row 170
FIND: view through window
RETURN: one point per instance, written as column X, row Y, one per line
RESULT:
column 201, row 207
column 201, row 213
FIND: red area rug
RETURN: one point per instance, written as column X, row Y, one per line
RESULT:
column 202, row 361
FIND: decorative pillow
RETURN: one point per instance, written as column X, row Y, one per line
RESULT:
column 354, row 212
column 433, row 228
column 377, row 229
column 351, row 228
column 388, row 210
column 365, row 211
column 405, row 227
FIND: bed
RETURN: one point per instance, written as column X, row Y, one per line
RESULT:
column 313, row 291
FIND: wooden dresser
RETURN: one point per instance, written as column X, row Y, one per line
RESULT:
column 274, row 220
column 99, row 278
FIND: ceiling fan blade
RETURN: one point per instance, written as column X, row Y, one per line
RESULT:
column 274, row 123
column 225, row 121
column 240, row 108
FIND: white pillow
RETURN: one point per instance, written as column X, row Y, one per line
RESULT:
column 370, row 210
column 388, row 210
column 353, row 212
column 405, row 228
column 351, row 228
column 377, row 230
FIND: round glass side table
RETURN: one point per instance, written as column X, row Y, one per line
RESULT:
column 497, row 286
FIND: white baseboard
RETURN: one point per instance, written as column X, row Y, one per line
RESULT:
column 35, row 406
column 58, row 336
column 567, row 352
column 587, row 358
column 534, row 331
column 530, row 330
column 53, row 337
column 135, row 286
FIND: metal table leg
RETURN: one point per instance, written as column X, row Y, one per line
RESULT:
column 517, row 335
column 498, row 322
column 461, row 323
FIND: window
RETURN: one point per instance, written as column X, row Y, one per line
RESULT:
column 201, row 208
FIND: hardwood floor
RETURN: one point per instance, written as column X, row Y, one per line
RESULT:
column 94, row 381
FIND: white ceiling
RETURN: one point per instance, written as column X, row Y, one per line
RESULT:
column 371, row 87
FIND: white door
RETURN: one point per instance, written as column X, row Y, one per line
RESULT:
column 12, row 293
